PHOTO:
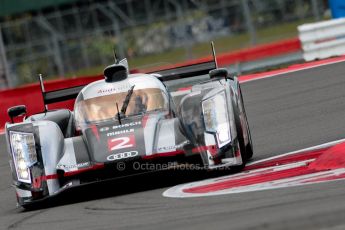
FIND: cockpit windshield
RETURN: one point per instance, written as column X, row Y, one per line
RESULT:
column 102, row 108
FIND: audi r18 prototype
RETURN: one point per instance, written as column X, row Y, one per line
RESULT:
column 126, row 119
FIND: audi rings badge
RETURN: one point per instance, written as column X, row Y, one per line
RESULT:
column 124, row 155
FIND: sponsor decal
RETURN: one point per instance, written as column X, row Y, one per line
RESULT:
column 124, row 155
column 130, row 124
column 114, row 127
column 120, row 132
column 121, row 143
column 115, row 137
column 167, row 148
column 80, row 165
column 116, row 89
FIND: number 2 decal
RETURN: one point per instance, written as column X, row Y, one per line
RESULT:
column 121, row 143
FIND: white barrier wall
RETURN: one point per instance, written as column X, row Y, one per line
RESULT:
column 322, row 39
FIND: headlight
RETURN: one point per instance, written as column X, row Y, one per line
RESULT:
column 24, row 154
column 216, row 118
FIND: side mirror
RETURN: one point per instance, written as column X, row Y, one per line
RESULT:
column 16, row 111
column 220, row 73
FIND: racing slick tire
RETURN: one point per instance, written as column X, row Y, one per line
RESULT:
column 240, row 140
column 249, row 146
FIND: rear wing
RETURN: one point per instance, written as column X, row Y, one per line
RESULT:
column 58, row 95
column 61, row 94
column 193, row 70
column 188, row 71
column 185, row 71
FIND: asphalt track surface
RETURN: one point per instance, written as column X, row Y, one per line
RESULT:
column 287, row 112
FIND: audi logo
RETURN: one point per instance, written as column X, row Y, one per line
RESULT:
column 118, row 156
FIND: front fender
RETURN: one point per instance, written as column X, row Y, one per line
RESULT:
column 192, row 117
column 49, row 146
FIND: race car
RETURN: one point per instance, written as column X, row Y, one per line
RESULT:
column 125, row 121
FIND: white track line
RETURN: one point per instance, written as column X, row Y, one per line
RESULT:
column 325, row 145
column 292, row 71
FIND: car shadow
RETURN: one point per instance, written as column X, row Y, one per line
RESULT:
column 125, row 186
